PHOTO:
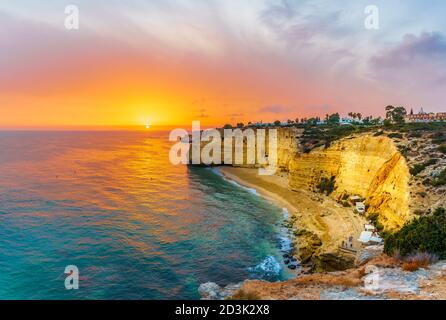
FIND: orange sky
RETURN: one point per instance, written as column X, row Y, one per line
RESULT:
column 217, row 63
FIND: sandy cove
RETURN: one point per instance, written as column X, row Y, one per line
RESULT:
column 319, row 223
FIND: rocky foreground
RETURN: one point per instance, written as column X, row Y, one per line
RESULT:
column 382, row 278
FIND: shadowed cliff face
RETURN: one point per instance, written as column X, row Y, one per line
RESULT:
column 368, row 166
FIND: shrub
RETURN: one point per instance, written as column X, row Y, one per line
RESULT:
column 442, row 148
column 374, row 219
column 430, row 162
column 425, row 234
column 395, row 136
column 438, row 138
column 419, row 260
column 327, row 185
column 416, row 169
column 415, row 135
column 440, row 180
column 379, row 133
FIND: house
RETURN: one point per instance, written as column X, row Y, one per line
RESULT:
column 422, row 116
column 355, row 199
column 370, row 238
column 346, row 121
column 360, row 207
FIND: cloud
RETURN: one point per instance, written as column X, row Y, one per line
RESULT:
column 202, row 114
column 275, row 109
column 413, row 49
column 416, row 61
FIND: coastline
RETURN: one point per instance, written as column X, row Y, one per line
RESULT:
column 286, row 234
column 318, row 223
column 248, row 178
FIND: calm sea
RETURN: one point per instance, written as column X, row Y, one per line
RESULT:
column 136, row 226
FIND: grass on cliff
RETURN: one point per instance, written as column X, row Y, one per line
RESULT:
column 415, row 128
column 325, row 135
column 327, row 185
column 419, row 167
column 425, row 234
column 438, row 181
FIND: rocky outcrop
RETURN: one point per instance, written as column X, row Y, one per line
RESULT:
column 212, row 291
column 380, row 279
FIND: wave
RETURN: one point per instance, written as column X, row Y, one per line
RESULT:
column 250, row 190
column 267, row 269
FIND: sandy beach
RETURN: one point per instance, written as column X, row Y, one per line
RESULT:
column 313, row 212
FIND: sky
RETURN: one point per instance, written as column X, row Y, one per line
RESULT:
column 169, row 62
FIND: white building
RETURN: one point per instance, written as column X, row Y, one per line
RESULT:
column 360, row 207
column 370, row 238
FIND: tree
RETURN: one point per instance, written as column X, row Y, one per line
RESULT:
column 240, row 125
column 277, row 123
column 227, row 126
column 389, row 110
column 312, row 121
column 398, row 115
column 334, row 118
column 376, row 121
column 367, row 120
column 395, row 115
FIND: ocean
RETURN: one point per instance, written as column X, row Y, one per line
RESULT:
column 136, row 226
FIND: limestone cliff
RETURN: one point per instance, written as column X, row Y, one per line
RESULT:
column 367, row 166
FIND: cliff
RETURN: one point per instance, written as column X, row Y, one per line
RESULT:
column 367, row 166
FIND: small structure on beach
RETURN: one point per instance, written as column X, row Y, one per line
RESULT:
column 370, row 238
column 360, row 207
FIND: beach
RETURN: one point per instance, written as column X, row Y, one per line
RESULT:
column 311, row 213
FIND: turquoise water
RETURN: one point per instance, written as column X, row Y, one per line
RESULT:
column 135, row 226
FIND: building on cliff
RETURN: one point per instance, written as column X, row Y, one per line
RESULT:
column 423, row 116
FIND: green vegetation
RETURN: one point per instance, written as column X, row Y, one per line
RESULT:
column 378, row 133
column 395, row 135
column 374, row 219
column 324, row 135
column 431, row 162
column 334, row 118
column 395, row 115
column 327, row 185
column 425, row 234
column 417, row 168
column 440, row 180
column 439, row 138
column 417, row 129
column 442, row 148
